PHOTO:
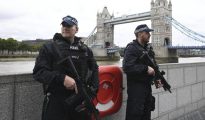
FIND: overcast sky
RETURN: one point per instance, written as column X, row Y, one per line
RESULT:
column 33, row 19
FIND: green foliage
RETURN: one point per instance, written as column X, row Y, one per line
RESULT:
column 36, row 48
column 23, row 47
column 12, row 45
column 2, row 44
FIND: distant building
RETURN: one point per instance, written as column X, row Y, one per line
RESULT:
column 36, row 42
column 191, row 52
column 42, row 41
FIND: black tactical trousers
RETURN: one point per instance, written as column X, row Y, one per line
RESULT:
column 57, row 110
column 139, row 103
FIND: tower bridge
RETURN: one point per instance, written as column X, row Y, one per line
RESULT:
column 102, row 41
column 129, row 18
column 186, row 47
column 21, row 96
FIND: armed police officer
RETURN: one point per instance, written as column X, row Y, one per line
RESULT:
column 53, row 70
column 140, row 101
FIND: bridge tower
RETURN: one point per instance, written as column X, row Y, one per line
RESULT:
column 105, row 32
column 162, row 35
column 104, row 37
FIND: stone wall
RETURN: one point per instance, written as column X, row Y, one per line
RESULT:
column 21, row 97
column 188, row 92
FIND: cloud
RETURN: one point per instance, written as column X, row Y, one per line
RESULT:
column 31, row 19
column 7, row 16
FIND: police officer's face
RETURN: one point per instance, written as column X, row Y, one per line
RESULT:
column 145, row 36
column 69, row 31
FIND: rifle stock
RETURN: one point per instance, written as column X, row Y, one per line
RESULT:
column 148, row 61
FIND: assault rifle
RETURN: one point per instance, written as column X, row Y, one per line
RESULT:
column 145, row 58
column 82, row 97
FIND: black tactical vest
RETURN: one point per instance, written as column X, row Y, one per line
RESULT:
column 78, row 53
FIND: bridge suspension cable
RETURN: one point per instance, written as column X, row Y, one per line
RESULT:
column 88, row 38
column 92, row 32
column 183, row 29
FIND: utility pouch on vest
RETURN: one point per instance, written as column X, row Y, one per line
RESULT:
column 45, row 106
column 74, row 100
column 152, row 106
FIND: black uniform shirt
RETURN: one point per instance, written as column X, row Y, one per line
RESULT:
column 49, row 72
column 132, row 66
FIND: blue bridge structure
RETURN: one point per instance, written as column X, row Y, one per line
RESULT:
column 186, row 47
column 190, row 36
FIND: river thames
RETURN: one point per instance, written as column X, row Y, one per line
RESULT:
column 8, row 67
